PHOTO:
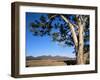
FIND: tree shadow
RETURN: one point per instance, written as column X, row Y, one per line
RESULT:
column 70, row 62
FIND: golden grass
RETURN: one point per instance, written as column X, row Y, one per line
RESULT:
column 48, row 62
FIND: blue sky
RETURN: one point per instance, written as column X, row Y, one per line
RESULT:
column 37, row 46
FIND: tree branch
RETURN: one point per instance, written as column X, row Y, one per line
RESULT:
column 52, row 17
column 85, row 21
column 72, row 30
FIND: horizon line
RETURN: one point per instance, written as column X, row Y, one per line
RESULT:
column 51, row 56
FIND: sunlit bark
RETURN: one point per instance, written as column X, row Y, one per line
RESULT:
column 79, row 44
column 80, row 55
column 72, row 30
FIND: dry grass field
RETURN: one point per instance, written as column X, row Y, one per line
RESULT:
column 33, row 63
column 48, row 62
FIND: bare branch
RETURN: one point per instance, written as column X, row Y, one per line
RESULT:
column 72, row 30
column 84, row 22
column 74, row 25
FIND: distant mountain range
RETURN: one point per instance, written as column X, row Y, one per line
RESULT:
column 44, row 57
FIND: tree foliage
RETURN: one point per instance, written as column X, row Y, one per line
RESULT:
column 54, row 26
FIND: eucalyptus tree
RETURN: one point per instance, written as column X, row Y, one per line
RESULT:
column 67, row 30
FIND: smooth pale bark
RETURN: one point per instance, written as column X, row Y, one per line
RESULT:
column 80, row 55
column 72, row 30
column 73, row 35
column 79, row 44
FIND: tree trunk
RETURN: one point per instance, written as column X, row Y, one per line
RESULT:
column 80, row 55
column 86, row 58
column 79, row 45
